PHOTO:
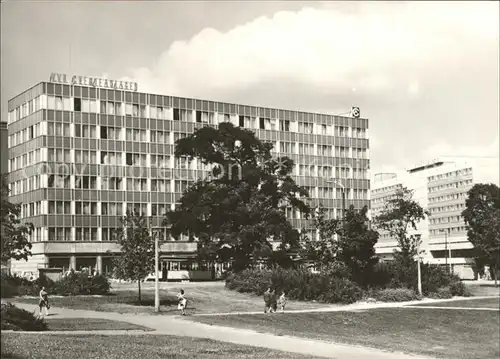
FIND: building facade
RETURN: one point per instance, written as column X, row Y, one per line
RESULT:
column 4, row 148
column 81, row 156
column 440, row 187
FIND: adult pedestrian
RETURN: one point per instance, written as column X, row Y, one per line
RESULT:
column 44, row 302
column 267, row 300
column 273, row 301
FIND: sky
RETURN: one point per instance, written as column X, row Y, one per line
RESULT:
column 425, row 74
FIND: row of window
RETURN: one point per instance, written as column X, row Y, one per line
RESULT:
column 452, row 174
column 452, row 230
column 446, row 186
column 450, row 219
column 448, row 197
column 27, row 159
column 31, row 183
column 449, row 208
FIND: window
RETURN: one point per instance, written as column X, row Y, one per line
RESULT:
column 160, row 161
column 137, row 184
column 58, row 129
column 159, row 209
column 241, row 121
column 86, row 131
column 182, row 163
column 59, row 181
column 86, row 234
column 113, row 183
column 60, row 234
column 181, row 186
column 77, row 104
column 86, row 208
column 111, row 158
column 110, row 133
column 160, row 137
column 136, row 135
column 160, row 185
column 59, row 155
column 111, row 209
column 284, row 125
column 59, row 207
column 176, row 114
column 262, row 123
column 128, row 109
column 84, row 156
column 135, row 159
column 108, row 234
column 287, row 147
column 140, row 208
column 204, row 117
column 86, row 182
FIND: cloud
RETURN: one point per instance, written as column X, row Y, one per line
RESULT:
column 323, row 47
column 421, row 71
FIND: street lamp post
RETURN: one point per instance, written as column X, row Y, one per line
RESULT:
column 342, row 190
column 157, row 282
column 447, row 250
column 419, row 273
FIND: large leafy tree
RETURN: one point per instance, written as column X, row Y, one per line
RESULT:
column 14, row 233
column 351, row 250
column 239, row 209
column 401, row 215
column 137, row 249
column 356, row 244
column 482, row 217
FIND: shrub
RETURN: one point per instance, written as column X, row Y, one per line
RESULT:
column 395, row 295
column 458, row 288
column 299, row 284
column 14, row 318
column 441, row 293
column 81, row 284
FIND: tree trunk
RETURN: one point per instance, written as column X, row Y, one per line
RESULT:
column 139, row 285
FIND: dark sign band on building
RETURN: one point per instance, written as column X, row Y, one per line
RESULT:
column 93, row 82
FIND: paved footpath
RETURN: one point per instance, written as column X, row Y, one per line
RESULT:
column 177, row 326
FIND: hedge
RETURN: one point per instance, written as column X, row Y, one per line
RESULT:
column 72, row 284
column 299, row 284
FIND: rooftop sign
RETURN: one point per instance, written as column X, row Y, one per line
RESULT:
column 93, row 82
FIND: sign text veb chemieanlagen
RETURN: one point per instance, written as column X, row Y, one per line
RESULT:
column 93, row 81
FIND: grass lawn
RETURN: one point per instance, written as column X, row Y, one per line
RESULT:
column 480, row 289
column 127, row 347
column 439, row 333
column 471, row 303
column 90, row 324
column 202, row 298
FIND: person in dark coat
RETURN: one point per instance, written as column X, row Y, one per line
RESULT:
column 267, row 300
column 273, row 301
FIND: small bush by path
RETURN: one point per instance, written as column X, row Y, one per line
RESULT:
column 131, row 347
column 13, row 318
column 394, row 295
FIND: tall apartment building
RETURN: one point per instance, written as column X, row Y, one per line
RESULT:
column 81, row 156
column 440, row 187
column 4, row 149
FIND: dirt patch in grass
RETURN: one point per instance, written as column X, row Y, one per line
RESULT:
column 129, row 347
column 460, row 334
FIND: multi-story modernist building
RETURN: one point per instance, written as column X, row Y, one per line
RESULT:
column 440, row 187
column 81, row 156
column 4, row 149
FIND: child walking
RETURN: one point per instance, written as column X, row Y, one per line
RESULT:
column 182, row 302
column 44, row 302
column 282, row 301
